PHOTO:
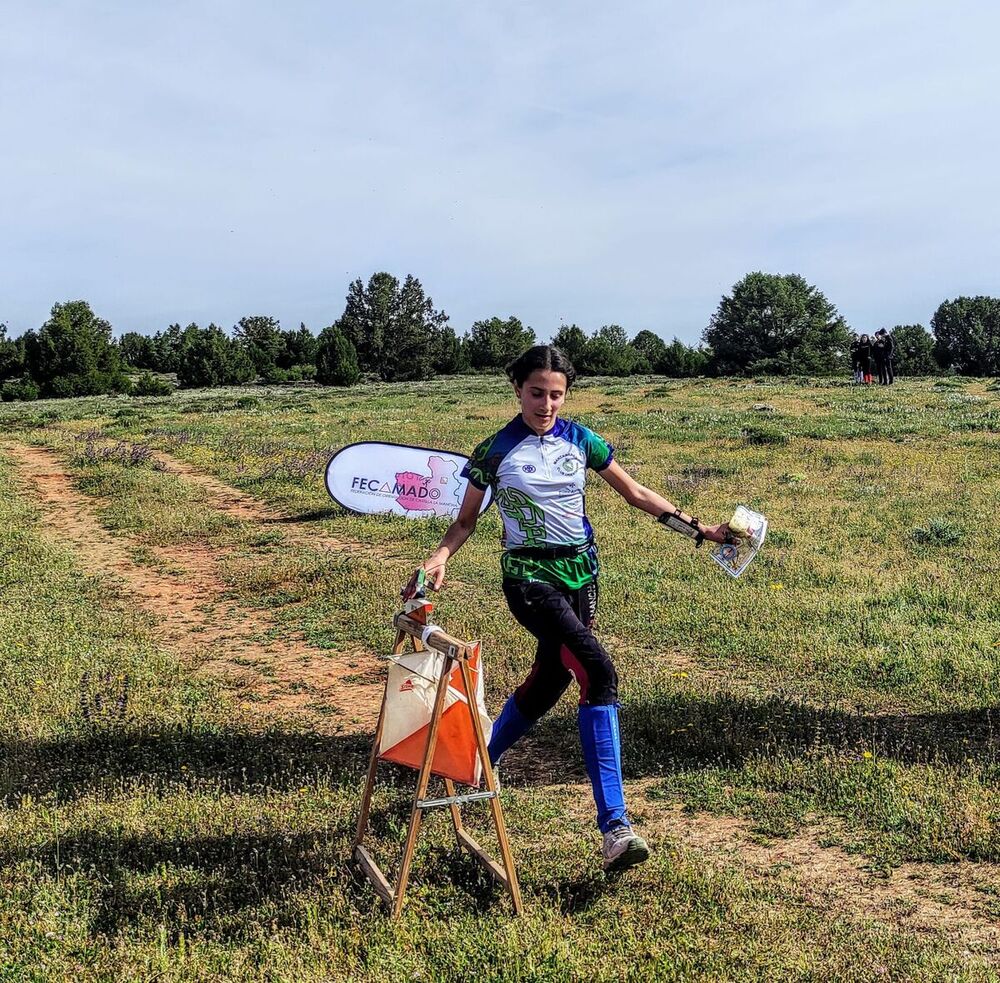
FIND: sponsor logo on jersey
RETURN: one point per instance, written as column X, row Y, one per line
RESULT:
column 568, row 464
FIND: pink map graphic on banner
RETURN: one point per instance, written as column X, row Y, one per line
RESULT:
column 430, row 493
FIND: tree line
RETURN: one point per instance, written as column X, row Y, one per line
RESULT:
column 390, row 330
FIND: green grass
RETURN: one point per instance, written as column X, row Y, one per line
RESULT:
column 847, row 680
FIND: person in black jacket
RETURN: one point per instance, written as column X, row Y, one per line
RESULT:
column 865, row 358
column 883, row 349
column 878, row 356
column 855, row 365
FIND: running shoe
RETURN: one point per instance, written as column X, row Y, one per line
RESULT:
column 623, row 848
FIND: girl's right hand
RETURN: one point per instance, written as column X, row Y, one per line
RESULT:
column 435, row 574
column 429, row 575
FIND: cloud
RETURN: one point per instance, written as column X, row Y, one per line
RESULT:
column 583, row 161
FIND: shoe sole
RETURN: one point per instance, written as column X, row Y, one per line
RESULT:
column 635, row 853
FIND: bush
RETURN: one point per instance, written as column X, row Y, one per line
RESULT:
column 296, row 373
column 764, row 436
column 336, row 359
column 19, row 390
column 148, row 385
column 213, row 359
column 608, row 352
column 93, row 383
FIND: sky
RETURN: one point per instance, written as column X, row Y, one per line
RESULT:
column 583, row 162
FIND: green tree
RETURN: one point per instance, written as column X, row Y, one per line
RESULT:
column 298, row 348
column 170, row 345
column 452, row 354
column 572, row 342
column 650, row 347
column 261, row 337
column 609, row 353
column 967, row 335
column 776, row 325
column 336, row 359
column 913, row 350
column 496, row 342
column 11, row 356
column 73, row 354
column 211, row 358
column 394, row 328
column 682, row 361
column 138, row 350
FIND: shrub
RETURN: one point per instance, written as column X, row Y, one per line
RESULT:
column 92, row 383
column 764, row 436
column 19, row 390
column 336, row 359
column 148, row 385
column 295, row 373
column 213, row 359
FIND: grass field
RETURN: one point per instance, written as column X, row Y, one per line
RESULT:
column 189, row 632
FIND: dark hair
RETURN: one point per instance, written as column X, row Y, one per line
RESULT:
column 540, row 357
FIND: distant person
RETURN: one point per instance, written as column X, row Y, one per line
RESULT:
column 865, row 358
column 884, row 348
column 536, row 466
column 878, row 356
column 855, row 364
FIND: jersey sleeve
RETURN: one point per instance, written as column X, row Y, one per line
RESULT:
column 599, row 452
column 480, row 469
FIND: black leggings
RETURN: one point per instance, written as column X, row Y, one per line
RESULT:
column 560, row 618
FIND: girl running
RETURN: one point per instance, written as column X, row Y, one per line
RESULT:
column 536, row 466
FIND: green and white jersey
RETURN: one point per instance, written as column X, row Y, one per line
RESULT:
column 538, row 486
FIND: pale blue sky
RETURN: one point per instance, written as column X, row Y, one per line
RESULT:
column 202, row 161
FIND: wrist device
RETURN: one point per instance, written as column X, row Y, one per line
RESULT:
column 686, row 527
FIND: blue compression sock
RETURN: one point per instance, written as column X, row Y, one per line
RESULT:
column 508, row 728
column 603, row 757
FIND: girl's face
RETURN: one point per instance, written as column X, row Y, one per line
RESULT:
column 541, row 398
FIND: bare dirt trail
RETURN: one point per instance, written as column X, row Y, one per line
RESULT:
column 289, row 679
column 955, row 899
column 269, row 679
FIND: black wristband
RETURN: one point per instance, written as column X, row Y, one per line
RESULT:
column 689, row 528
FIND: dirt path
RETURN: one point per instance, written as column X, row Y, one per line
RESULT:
column 280, row 678
column 958, row 899
column 289, row 679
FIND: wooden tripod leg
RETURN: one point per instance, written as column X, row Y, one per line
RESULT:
column 491, row 785
column 422, row 783
column 456, row 814
column 366, row 799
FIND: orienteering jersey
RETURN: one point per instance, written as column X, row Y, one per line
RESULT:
column 538, row 486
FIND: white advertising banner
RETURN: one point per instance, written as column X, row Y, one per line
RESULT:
column 416, row 482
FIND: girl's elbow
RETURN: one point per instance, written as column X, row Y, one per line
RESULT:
column 637, row 497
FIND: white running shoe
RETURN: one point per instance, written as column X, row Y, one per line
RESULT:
column 623, row 848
